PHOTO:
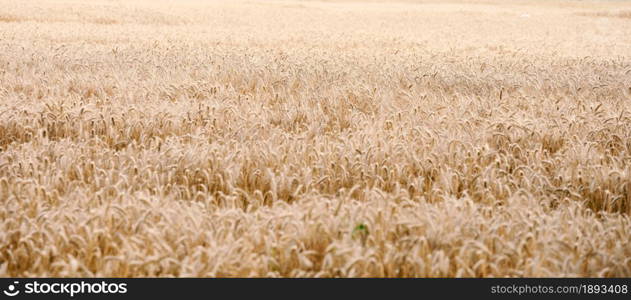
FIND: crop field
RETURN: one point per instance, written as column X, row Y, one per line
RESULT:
column 256, row 138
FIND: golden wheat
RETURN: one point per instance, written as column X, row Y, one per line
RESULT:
column 302, row 138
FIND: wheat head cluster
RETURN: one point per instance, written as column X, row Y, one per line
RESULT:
column 315, row 138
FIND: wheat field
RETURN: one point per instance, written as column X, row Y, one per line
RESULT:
column 260, row 138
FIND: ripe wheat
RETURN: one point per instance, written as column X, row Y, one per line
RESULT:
column 302, row 138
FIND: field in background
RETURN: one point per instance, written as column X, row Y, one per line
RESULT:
column 304, row 138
